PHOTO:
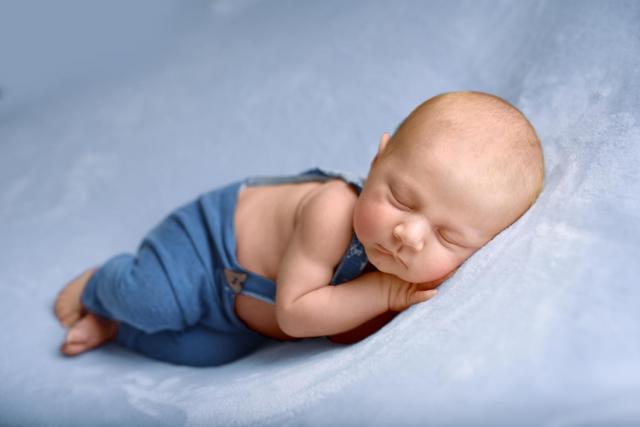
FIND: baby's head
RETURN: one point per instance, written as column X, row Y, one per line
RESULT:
column 459, row 169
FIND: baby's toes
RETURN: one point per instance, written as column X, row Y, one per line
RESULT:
column 82, row 336
column 73, row 349
column 68, row 305
column 76, row 341
column 89, row 332
column 67, row 311
column 68, row 318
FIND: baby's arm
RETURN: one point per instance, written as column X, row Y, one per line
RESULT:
column 307, row 304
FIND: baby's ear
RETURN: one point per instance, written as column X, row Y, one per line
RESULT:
column 384, row 140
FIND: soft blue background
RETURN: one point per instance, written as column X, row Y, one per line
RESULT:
column 113, row 113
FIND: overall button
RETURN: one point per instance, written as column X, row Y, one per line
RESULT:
column 235, row 279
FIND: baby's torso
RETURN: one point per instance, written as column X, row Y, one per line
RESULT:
column 264, row 222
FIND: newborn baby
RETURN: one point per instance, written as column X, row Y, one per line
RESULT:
column 319, row 253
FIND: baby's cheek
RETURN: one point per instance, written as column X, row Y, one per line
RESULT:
column 448, row 267
column 364, row 221
column 439, row 267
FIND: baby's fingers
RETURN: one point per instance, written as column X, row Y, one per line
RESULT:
column 422, row 296
column 430, row 285
column 427, row 285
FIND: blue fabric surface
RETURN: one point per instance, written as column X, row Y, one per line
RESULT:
column 540, row 327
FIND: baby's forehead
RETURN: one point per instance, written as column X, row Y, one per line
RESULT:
column 451, row 151
column 451, row 175
column 474, row 149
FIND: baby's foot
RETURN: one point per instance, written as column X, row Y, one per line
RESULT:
column 89, row 332
column 68, row 305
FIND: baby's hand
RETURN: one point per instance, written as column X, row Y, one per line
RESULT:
column 403, row 294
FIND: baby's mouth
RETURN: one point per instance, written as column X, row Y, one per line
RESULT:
column 394, row 255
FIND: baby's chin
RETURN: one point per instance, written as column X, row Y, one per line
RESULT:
column 385, row 265
column 380, row 267
column 385, row 268
column 407, row 276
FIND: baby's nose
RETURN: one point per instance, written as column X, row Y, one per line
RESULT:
column 410, row 234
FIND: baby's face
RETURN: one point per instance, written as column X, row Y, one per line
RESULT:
column 420, row 215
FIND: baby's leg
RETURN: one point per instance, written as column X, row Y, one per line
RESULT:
column 195, row 346
column 68, row 306
column 166, row 286
column 137, row 291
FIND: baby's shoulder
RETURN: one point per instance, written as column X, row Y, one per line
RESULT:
column 339, row 192
column 326, row 215
column 334, row 199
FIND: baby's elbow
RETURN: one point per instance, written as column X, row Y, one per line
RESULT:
column 288, row 323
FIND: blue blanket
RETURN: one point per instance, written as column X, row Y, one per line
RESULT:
column 540, row 327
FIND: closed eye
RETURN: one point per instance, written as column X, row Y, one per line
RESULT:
column 443, row 237
column 396, row 200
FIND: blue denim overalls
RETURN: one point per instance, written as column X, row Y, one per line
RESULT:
column 174, row 300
